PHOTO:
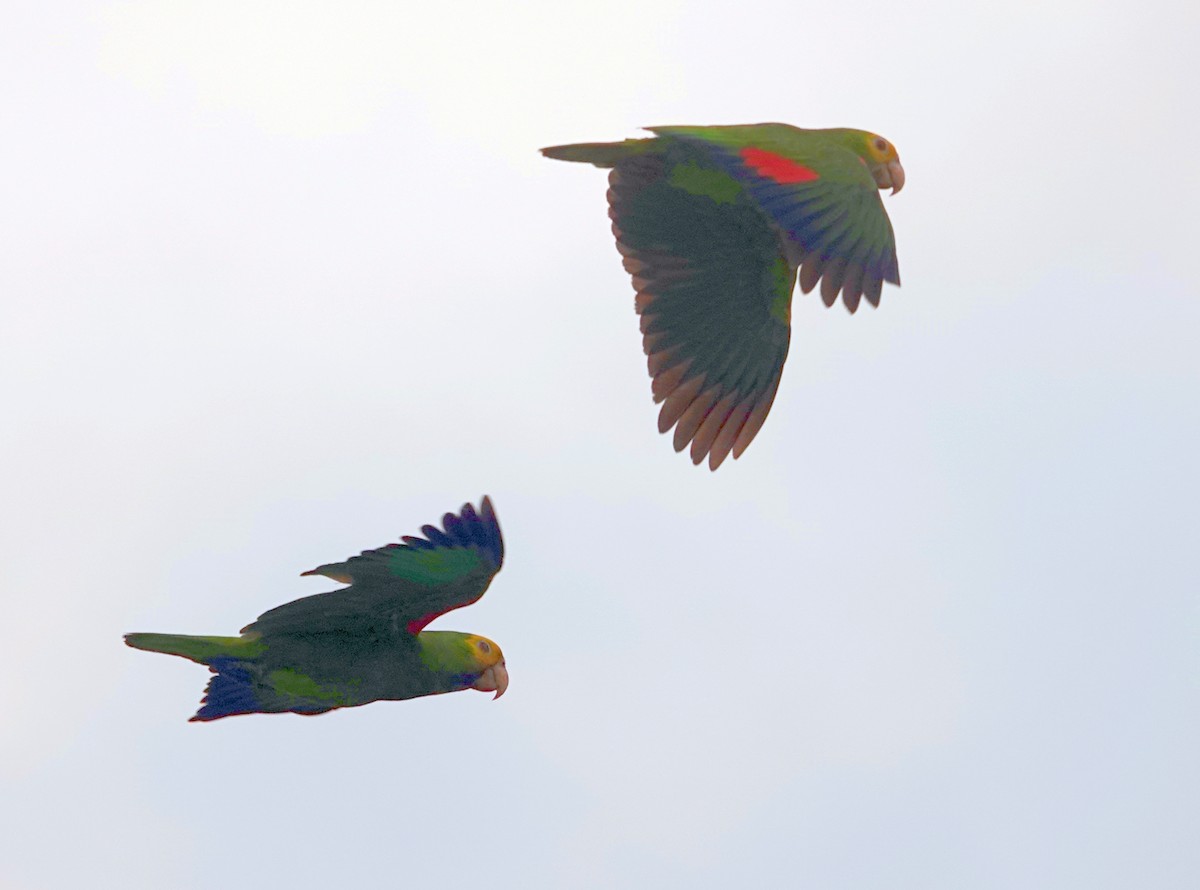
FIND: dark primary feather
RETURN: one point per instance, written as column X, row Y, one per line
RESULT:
column 230, row 691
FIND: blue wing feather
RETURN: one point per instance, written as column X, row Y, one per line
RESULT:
column 229, row 692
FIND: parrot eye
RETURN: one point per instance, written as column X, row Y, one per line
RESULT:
column 880, row 144
column 484, row 647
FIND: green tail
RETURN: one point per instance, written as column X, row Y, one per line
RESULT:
column 602, row 154
column 199, row 649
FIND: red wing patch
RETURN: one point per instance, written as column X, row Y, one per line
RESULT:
column 418, row 624
column 777, row 167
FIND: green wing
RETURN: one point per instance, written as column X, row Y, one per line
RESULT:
column 399, row 588
column 836, row 228
column 714, row 292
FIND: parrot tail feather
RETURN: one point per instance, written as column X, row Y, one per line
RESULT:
column 602, row 154
column 201, row 650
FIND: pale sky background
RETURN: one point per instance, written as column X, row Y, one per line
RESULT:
column 283, row 281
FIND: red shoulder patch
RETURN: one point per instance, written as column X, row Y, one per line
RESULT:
column 777, row 167
column 418, row 624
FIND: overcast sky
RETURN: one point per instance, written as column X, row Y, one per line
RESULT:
column 282, row 281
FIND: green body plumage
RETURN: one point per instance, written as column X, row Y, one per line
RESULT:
column 312, row 673
column 715, row 224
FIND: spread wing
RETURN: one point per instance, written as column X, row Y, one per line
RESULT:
column 714, row 294
column 825, row 200
column 400, row 588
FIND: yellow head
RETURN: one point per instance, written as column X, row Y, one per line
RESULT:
column 490, row 660
column 882, row 160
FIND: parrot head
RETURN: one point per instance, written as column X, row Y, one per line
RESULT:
column 493, row 675
column 882, row 160
column 463, row 661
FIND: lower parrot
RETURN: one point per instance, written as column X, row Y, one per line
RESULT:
column 365, row 642
column 715, row 224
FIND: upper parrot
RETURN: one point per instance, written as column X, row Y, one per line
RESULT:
column 714, row 223
column 365, row 642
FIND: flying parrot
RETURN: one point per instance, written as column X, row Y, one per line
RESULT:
column 365, row 642
column 714, row 224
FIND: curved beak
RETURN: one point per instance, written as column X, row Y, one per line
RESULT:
column 494, row 679
column 897, row 175
column 890, row 176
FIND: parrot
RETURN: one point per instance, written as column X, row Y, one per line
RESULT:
column 715, row 224
column 365, row 642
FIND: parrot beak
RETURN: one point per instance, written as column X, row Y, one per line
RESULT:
column 494, row 679
column 891, row 176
